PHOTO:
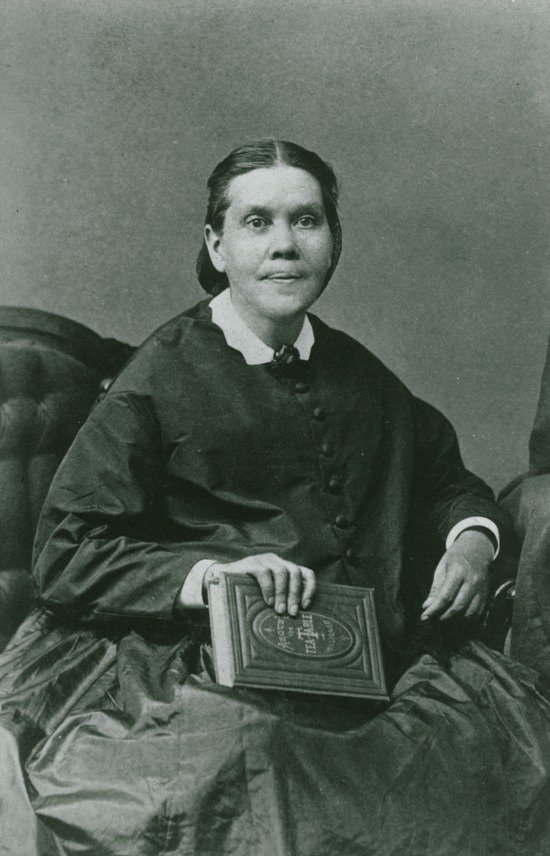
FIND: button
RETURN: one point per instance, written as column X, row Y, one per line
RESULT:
column 349, row 554
column 319, row 414
column 334, row 484
column 301, row 386
column 326, row 449
column 342, row 521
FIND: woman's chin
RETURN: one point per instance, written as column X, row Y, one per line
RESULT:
column 286, row 300
column 285, row 309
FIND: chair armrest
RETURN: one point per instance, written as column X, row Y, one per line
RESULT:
column 528, row 502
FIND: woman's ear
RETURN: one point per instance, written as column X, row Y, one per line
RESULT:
column 213, row 244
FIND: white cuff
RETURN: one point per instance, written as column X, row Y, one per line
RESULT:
column 469, row 523
column 191, row 591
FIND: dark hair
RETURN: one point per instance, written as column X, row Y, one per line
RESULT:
column 258, row 155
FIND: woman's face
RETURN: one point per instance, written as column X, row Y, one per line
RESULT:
column 276, row 243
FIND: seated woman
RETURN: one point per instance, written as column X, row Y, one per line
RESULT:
column 246, row 436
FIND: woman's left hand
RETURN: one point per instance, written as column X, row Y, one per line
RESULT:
column 461, row 579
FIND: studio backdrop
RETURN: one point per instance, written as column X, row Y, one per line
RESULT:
column 434, row 113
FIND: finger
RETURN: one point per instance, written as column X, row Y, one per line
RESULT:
column 265, row 580
column 273, row 565
column 280, row 577
column 475, row 608
column 437, row 582
column 460, row 602
column 309, row 584
column 294, row 588
column 446, row 594
column 480, row 604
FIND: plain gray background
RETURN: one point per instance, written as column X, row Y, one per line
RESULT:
column 435, row 115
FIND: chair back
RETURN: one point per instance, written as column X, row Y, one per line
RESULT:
column 51, row 372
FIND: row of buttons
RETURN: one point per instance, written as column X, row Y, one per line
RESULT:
column 319, row 413
column 334, row 484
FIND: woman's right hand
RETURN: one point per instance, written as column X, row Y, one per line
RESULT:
column 284, row 585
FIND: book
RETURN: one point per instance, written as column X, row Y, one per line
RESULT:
column 332, row 648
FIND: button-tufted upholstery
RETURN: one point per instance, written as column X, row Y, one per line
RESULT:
column 51, row 371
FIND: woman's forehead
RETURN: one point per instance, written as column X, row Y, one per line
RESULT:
column 276, row 186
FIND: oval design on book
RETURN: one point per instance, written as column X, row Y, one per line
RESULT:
column 309, row 634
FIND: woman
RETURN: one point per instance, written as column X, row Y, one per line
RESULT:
column 247, row 436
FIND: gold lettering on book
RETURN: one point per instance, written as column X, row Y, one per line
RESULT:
column 282, row 638
column 309, row 634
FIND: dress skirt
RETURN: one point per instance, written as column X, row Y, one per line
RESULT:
column 126, row 747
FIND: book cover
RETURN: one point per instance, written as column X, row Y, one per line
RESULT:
column 332, row 648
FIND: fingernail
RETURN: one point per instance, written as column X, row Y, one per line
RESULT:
column 270, row 601
column 293, row 610
column 424, row 617
column 305, row 604
column 280, row 608
column 427, row 602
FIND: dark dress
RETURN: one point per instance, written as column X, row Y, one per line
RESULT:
column 127, row 745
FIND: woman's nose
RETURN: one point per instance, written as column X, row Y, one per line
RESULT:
column 282, row 241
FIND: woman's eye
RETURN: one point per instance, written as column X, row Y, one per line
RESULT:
column 307, row 221
column 256, row 223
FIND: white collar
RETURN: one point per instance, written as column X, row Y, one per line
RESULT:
column 239, row 336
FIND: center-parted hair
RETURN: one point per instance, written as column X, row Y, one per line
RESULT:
column 259, row 155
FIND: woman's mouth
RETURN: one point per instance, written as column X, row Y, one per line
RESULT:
column 283, row 277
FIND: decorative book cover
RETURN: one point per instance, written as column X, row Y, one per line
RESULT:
column 333, row 648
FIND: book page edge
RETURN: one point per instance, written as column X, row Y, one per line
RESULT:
column 221, row 633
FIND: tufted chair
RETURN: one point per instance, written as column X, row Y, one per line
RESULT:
column 51, row 372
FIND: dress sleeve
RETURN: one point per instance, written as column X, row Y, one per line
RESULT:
column 445, row 490
column 101, row 553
